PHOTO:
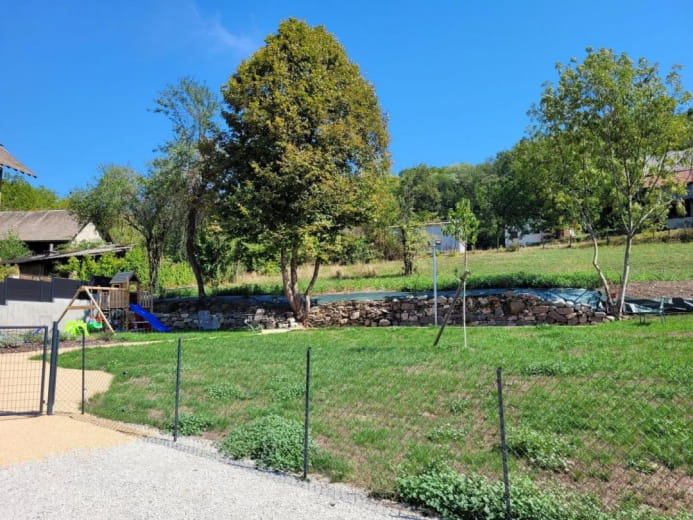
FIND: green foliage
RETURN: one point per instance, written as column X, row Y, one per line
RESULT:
column 194, row 423
column 388, row 390
column 19, row 195
column 463, row 224
column 227, row 392
column 306, row 146
column 473, row 497
column 104, row 203
column 192, row 109
column 175, row 274
column 215, row 250
column 12, row 247
column 541, row 449
column 606, row 133
column 271, row 441
column 8, row 270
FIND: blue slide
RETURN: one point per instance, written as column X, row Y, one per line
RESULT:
column 150, row 318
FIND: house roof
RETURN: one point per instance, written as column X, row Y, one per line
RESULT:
column 58, row 225
column 124, row 277
column 7, row 159
column 675, row 161
column 97, row 251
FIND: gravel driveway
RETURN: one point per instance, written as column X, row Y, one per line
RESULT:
column 149, row 478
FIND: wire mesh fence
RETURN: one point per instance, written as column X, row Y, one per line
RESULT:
column 614, row 439
column 22, row 369
column 619, row 437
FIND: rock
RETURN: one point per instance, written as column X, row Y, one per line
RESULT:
column 384, row 323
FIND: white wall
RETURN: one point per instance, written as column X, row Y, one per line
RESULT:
column 87, row 233
column 16, row 313
column 447, row 243
column 524, row 239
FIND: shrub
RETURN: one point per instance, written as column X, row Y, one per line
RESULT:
column 542, row 450
column 473, row 497
column 194, row 423
column 271, row 441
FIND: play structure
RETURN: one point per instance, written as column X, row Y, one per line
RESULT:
column 124, row 305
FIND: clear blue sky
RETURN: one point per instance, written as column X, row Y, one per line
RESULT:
column 456, row 77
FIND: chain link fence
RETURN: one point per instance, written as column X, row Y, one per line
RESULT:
column 23, row 353
column 614, row 439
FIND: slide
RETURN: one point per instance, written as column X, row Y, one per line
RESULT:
column 150, row 318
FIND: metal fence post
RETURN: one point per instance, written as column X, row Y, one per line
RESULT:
column 84, row 360
column 306, row 422
column 44, row 357
column 53, row 372
column 175, row 413
column 504, row 445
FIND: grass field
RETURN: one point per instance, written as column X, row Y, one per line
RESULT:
column 603, row 410
column 531, row 266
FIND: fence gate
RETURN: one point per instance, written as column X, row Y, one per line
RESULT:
column 23, row 352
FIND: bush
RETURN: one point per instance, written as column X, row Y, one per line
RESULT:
column 461, row 497
column 542, row 450
column 271, row 441
column 194, row 423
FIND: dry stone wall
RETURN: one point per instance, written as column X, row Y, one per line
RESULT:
column 509, row 308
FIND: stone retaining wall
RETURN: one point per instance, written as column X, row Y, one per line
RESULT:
column 509, row 308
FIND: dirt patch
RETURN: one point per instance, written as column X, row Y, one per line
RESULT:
column 654, row 290
column 33, row 438
column 28, row 438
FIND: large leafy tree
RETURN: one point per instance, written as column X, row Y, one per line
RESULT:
column 19, row 195
column 192, row 110
column 103, row 202
column 618, row 121
column 121, row 199
column 306, row 142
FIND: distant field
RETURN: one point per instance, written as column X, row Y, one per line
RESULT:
column 595, row 409
column 529, row 266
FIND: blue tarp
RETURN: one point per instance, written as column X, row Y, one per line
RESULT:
column 590, row 297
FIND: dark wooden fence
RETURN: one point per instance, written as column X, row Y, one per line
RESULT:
column 37, row 290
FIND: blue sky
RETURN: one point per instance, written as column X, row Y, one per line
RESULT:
column 455, row 77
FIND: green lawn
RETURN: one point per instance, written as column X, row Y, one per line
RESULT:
column 605, row 410
column 529, row 266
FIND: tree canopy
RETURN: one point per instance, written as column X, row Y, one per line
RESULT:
column 192, row 110
column 611, row 125
column 19, row 195
column 306, row 145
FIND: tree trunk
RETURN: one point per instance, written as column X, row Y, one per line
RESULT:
column 190, row 235
column 624, row 276
column 311, row 284
column 154, row 260
column 406, row 253
column 288, row 263
column 602, row 276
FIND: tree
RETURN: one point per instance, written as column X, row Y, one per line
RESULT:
column 123, row 198
column 191, row 108
column 620, row 120
column 463, row 225
column 153, row 213
column 306, row 141
column 12, row 247
column 103, row 202
column 19, row 195
column 411, row 217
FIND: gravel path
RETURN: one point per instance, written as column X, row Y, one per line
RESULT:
column 151, row 479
